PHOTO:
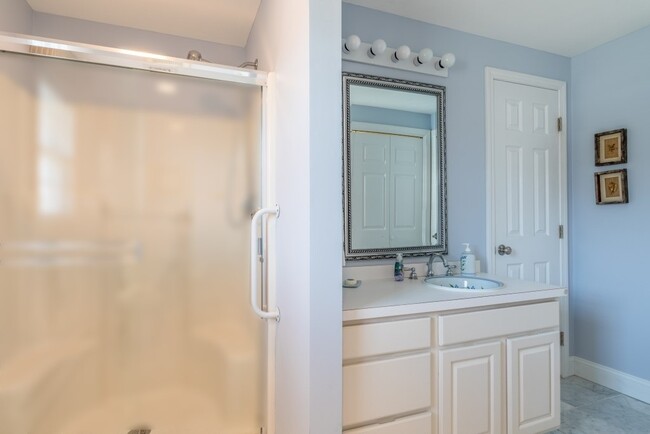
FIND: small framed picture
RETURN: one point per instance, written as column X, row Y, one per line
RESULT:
column 611, row 147
column 611, row 187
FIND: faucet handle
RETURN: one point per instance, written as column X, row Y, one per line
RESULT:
column 413, row 275
column 450, row 269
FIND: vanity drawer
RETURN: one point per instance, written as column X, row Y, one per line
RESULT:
column 385, row 388
column 474, row 326
column 418, row 424
column 366, row 340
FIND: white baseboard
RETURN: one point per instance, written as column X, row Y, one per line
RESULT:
column 620, row 381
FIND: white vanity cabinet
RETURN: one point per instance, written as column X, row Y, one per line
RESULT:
column 476, row 348
column 490, row 370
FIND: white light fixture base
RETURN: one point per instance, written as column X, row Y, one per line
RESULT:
column 360, row 55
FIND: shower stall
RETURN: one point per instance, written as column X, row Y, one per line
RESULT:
column 127, row 185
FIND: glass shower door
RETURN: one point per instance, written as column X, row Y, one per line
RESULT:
column 125, row 201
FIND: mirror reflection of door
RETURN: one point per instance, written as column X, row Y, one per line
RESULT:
column 391, row 186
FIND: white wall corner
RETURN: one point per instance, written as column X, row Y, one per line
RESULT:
column 627, row 384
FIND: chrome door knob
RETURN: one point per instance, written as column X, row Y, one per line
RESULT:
column 504, row 250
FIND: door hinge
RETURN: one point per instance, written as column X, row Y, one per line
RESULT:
column 561, row 339
column 559, row 124
column 561, row 231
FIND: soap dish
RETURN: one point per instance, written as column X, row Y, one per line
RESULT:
column 348, row 284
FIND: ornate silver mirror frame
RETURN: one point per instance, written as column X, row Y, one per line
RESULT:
column 392, row 96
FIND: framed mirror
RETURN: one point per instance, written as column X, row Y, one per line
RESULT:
column 395, row 180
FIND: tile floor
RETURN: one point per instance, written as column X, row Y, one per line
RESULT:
column 589, row 408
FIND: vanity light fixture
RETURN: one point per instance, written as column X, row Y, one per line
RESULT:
column 377, row 53
column 377, row 48
column 446, row 61
column 402, row 53
column 352, row 43
column 423, row 57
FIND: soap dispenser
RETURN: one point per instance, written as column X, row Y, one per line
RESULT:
column 399, row 268
column 467, row 261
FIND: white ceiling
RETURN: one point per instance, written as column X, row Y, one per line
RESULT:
column 222, row 21
column 566, row 27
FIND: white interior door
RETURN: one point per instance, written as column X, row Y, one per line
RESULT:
column 527, row 189
column 526, row 172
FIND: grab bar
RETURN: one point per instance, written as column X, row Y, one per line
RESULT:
column 270, row 314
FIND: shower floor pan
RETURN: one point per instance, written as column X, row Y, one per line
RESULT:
column 170, row 411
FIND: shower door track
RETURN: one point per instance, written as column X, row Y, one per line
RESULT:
column 123, row 58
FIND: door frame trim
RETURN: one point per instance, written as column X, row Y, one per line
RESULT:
column 491, row 76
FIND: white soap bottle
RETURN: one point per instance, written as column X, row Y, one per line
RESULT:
column 467, row 261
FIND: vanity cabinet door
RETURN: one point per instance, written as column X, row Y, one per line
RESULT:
column 470, row 389
column 533, row 386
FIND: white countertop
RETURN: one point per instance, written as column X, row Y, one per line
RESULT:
column 382, row 297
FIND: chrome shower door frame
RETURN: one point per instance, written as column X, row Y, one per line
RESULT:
column 123, row 58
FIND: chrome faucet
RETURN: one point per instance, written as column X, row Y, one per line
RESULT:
column 432, row 259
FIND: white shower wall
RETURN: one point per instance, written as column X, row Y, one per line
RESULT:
column 125, row 201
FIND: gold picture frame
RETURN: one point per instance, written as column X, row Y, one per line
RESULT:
column 611, row 187
column 611, row 147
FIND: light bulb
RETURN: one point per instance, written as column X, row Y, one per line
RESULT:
column 352, row 43
column 401, row 53
column 377, row 48
column 423, row 57
column 447, row 61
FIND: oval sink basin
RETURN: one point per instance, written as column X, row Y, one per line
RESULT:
column 463, row 283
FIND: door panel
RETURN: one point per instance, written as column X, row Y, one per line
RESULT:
column 370, row 179
column 527, row 182
column 406, row 177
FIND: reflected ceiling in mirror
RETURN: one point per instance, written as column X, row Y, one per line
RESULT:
column 395, row 179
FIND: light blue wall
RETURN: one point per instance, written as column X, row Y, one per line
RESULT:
column 15, row 16
column 610, row 306
column 465, row 101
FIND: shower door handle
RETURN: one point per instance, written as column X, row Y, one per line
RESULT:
column 255, row 255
